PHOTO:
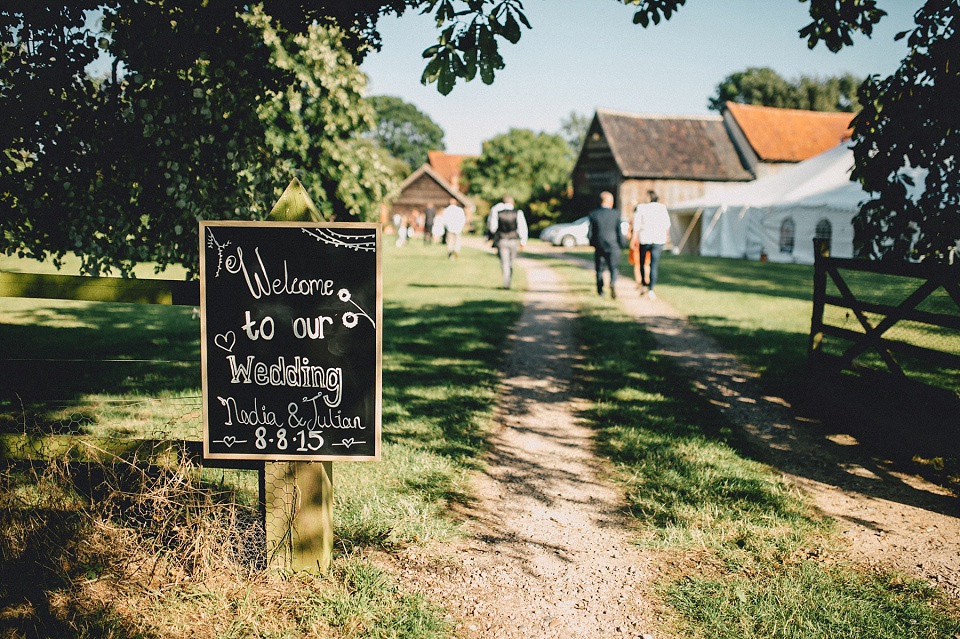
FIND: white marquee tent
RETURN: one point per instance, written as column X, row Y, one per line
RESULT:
column 777, row 216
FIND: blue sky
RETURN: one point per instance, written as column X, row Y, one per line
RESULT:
column 585, row 54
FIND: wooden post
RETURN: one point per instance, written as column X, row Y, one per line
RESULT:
column 298, row 496
column 821, row 251
column 298, row 514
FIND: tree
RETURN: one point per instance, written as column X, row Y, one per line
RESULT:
column 764, row 86
column 755, row 85
column 191, row 80
column 405, row 131
column 532, row 167
column 574, row 129
column 206, row 113
column 907, row 146
column 908, row 123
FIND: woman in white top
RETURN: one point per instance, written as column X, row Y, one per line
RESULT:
column 649, row 231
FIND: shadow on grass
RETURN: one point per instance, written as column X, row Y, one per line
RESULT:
column 441, row 367
column 894, row 419
column 686, row 467
column 681, row 454
column 49, row 363
column 737, row 276
column 711, row 273
column 888, row 435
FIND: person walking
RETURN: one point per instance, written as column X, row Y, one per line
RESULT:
column 428, row 215
column 454, row 219
column 606, row 237
column 650, row 230
column 508, row 228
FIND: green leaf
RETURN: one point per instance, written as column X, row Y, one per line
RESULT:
column 470, row 64
column 446, row 81
column 486, row 72
column 511, row 30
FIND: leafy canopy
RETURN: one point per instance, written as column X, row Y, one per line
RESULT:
column 908, row 125
column 907, row 145
column 206, row 113
column 405, row 131
column 574, row 129
column 531, row 167
column 764, row 86
column 209, row 112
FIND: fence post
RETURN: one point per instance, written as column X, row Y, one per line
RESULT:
column 821, row 251
column 298, row 496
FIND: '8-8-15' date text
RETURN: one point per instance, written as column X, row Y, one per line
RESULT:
column 304, row 440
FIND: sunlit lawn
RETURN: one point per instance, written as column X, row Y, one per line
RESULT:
column 691, row 485
column 132, row 371
column 751, row 556
column 761, row 312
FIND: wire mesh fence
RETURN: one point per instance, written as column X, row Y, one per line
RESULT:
column 112, row 413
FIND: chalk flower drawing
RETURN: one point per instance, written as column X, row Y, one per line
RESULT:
column 350, row 318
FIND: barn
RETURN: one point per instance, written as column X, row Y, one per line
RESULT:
column 682, row 158
column 629, row 154
column 424, row 187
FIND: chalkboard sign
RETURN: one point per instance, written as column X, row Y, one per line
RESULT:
column 291, row 340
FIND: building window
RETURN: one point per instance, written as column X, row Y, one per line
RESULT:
column 788, row 231
column 824, row 232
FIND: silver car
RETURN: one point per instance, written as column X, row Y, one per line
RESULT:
column 570, row 234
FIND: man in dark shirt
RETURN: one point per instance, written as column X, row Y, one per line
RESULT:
column 606, row 237
column 508, row 228
column 429, row 214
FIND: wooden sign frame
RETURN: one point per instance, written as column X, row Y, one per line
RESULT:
column 279, row 327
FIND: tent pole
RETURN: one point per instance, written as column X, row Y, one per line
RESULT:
column 689, row 231
column 716, row 218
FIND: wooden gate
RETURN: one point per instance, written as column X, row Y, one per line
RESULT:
column 926, row 296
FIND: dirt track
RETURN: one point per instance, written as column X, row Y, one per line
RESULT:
column 547, row 552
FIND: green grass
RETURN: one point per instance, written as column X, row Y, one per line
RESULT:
column 761, row 312
column 761, row 560
column 125, row 370
column 445, row 324
column 356, row 601
column 130, row 370
column 689, row 477
column 810, row 601
column 751, row 556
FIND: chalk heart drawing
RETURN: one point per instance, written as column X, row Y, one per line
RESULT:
column 229, row 440
column 348, row 442
column 226, row 341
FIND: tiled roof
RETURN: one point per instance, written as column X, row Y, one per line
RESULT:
column 677, row 147
column 789, row 135
column 446, row 165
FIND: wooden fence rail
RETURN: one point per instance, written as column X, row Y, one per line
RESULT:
column 927, row 278
column 100, row 289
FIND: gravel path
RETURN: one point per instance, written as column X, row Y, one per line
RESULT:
column 548, row 552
